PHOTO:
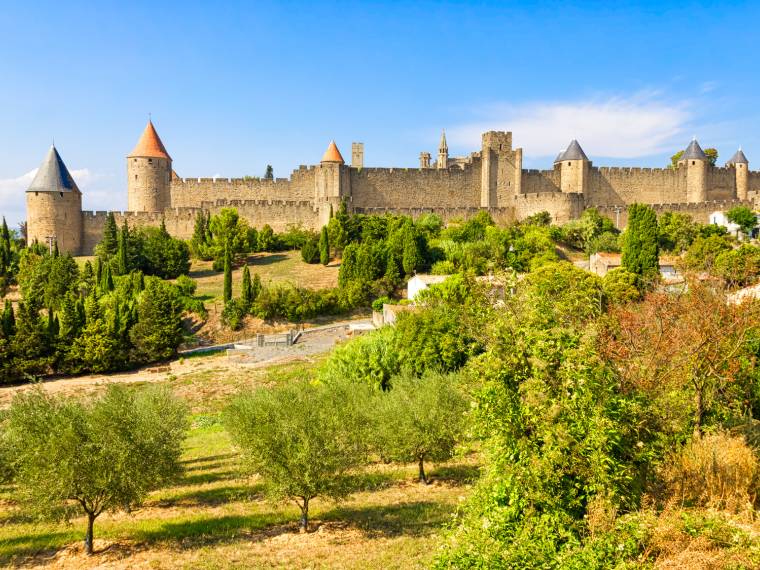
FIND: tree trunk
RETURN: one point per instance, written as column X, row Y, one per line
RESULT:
column 423, row 477
column 698, row 413
column 304, row 527
column 88, row 538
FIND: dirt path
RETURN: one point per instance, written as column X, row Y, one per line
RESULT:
column 215, row 365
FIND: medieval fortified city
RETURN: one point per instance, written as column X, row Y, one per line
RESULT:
column 490, row 179
column 348, row 308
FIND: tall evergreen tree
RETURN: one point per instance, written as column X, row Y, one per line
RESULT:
column 269, row 175
column 324, row 246
column 98, row 272
column 109, row 243
column 56, row 252
column 71, row 321
column 8, row 320
column 122, row 254
column 640, row 243
column 246, row 291
column 106, row 284
column 5, row 233
column 227, row 274
column 255, row 287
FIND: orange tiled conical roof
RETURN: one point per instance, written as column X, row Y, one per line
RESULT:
column 149, row 145
column 332, row 154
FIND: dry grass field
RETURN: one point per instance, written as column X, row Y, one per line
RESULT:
column 280, row 267
column 215, row 516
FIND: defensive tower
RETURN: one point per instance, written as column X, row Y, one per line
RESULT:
column 331, row 182
column 149, row 169
column 695, row 160
column 54, row 206
column 574, row 167
column 740, row 164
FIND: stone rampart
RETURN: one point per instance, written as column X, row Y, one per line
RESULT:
column 612, row 185
column 534, row 181
column 562, row 207
column 415, row 188
column 700, row 212
column 504, row 215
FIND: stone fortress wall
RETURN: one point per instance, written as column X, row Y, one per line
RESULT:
column 491, row 178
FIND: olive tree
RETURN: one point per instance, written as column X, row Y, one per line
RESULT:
column 102, row 455
column 301, row 438
column 420, row 419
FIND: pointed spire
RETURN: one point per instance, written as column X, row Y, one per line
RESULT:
column 694, row 151
column 573, row 152
column 559, row 157
column 149, row 145
column 738, row 158
column 52, row 175
column 443, row 146
column 332, row 154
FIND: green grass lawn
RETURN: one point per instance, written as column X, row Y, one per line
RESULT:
column 216, row 516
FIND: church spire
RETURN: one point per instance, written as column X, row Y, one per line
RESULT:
column 443, row 152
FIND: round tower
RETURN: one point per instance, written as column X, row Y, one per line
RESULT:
column 331, row 182
column 54, row 206
column 149, row 170
column 695, row 160
column 740, row 164
column 573, row 168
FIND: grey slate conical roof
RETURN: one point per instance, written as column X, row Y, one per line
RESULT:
column 52, row 175
column 738, row 158
column 694, row 152
column 573, row 152
column 559, row 157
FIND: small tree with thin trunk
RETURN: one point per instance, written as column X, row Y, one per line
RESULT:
column 301, row 439
column 420, row 419
column 97, row 456
column 324, row 246
column 246, row 290
column 227, row 293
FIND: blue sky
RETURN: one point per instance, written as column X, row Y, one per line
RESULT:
column 234, row 86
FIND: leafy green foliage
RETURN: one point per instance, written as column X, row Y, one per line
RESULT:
column 310, row 251
column 676, row 231
column 158, row 331
column 640, row 243
column 744, row 217
column 302, row 439
column 703, row 252
column 621, row 286
column 101, row 456
column 420, row 419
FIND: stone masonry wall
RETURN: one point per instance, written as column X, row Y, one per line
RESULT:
column 534, row 181
column 190, row 192
column 400, row 188
column 620, row 186
column 700, row 212
column 504, row 215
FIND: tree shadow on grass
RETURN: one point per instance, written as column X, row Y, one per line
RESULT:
column 203, row 478
column 460, row 473
column 268, row 260
column 213, row 497
column 216, row 530
column 198, row 273
column 18, row 551
column 417, row 518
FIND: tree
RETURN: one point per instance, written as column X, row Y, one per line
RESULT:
column 269, row 174
column 744, row 217
column 703, row 252
column 338, row 227
column 640, row 249
column 227, row 293
column 109, row 243
column 310, row 251
column 324, row 246
column 302, row 439
column 101, row 456
column 266, row 238
column 620, row 286
column 712, row 156
column 255, row 286
column 368, row 360
column 676, row 231
column 246, row 290
column 420, row 419
column 158, row 331
column 96, row 348
column 122, row 253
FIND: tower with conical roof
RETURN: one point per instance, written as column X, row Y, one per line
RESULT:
column 696, row 162
column 574, row 168
column 332, row 182
column 149, row 169
column 54, row 206
column 740, row 164
column 443, row 152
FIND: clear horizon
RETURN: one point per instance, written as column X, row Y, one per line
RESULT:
column 233, row 88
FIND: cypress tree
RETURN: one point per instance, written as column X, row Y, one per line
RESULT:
column 109, row 242
column 163, row 228
column 56, row 253
column 324, row 246
column 106, row 284
column 8, row 320
column 98, row 272
column 392, row 274
column 410, row 258
column 72, row 320
column 255, row 287
column 227, row 274
column 5, row 233
column 640, row 243
column 122, row 254
column 247, row 288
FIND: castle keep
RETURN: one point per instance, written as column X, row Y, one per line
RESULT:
column 491, row 178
